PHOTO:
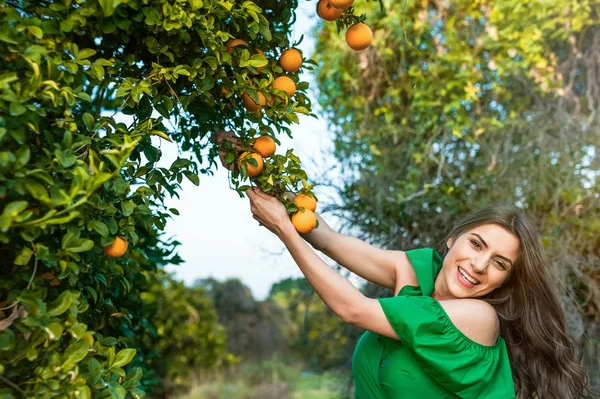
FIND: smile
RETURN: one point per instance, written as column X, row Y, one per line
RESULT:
column 467, row 277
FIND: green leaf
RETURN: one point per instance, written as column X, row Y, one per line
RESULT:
column 94, row 368
column 109, row 6
column 196, row 4
column 61, row 304
column 88, row 121
column 23, row 257
column 127, row 207
column 7, row 78
column 161, row 134
column 65, row 160
column 81, row 245
column 7, row 340
column 258, row 60
column 35, row 31
column 23, row 154
column 133, row 378
column 84, row 392
column 117, row 391
column 124, row 357
column 77, row 330
column 16, row 109
column 67, row 239
column 85, row 53
column 75, row 353
column 54, row 331
column 37, row 190
column 192, row 177
column 14, row 208
column 99, row 227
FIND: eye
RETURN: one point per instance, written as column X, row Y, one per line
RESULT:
column 476, row 244
column 501, row 264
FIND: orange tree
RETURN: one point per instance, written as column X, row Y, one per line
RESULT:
column 88, row 89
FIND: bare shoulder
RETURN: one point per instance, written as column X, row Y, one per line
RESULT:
column 475, row 318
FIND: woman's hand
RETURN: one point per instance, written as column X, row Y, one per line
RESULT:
column 269, row 212
column 218, row 137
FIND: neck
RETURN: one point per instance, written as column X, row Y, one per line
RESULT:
column 440, row 290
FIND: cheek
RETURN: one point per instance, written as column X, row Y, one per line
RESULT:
column 496, row 277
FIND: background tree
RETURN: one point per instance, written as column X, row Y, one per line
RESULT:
column 255, row 329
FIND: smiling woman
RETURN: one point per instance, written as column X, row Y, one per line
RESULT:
column 480, row 321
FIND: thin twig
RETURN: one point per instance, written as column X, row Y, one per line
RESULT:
column 8, row 382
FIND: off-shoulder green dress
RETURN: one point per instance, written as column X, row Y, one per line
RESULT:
column 433, row 358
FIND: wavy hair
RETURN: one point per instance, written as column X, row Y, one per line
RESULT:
column 543, row 358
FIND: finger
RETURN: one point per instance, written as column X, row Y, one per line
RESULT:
column 260, row 193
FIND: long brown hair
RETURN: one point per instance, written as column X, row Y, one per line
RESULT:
column 542, row 356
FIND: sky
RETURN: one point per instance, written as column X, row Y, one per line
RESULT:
column 219, row 237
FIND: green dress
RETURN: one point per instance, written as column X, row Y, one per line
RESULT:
column 434, row 359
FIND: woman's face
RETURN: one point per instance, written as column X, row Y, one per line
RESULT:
column 479, row 261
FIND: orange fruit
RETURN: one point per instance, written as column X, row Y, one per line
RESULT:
column 305, row 201
column 291, row 60
column 233, row 43
column 359, row 36
column 252, row 170
column 117, row 248
column 265, row 146
column 341, row 4
column 251, row 105
column 286, row 84
column 304, row 221
column 327, row 12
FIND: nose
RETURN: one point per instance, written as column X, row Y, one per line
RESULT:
column 479, row 264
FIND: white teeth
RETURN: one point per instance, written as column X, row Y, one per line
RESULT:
column 466, row 276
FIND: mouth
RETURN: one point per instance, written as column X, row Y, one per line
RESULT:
column 466, row 279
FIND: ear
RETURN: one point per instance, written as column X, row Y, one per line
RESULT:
column 450, row 242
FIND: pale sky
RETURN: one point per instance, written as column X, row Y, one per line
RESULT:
column 219, row 238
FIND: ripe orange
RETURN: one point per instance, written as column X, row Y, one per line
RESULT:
column 286, row 84
column 305, row 201
column 291, row 60
column 359, row 36
column 251, row 105
column 265, row 146
column 233, row 43
column 252, row 170
column 304, row 221
column 341, row 4
column 117, row 248
column 327, row 12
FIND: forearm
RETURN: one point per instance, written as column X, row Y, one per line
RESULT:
column 374, row 264
column 365, row 260
column 336, row 292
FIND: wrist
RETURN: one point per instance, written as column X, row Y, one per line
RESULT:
column 287, row 231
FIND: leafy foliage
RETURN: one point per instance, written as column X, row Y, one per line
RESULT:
column 88, row 89
column 463, row 104
column 314, row 331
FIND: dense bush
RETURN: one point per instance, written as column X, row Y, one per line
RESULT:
column 75, row 173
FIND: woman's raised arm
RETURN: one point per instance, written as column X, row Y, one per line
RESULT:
column 380, row 266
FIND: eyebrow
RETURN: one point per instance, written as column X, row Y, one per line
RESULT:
column 485, row 245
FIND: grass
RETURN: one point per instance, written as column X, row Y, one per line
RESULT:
column 271, row 379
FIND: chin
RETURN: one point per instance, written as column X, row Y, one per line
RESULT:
column 459, row 291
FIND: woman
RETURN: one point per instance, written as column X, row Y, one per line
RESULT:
column 483, row 322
